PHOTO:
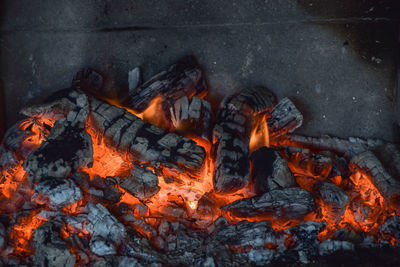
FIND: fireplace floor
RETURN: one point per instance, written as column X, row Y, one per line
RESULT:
column 333, row 59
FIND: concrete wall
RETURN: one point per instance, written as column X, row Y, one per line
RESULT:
column 336, row 59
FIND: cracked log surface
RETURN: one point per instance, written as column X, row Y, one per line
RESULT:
column 128, row 133
column 184, row 78
column 288, row 203
column 231, row 136
column 369, row 165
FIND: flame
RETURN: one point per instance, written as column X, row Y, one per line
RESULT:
column 259, row 136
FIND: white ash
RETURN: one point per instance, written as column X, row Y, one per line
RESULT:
column 329, row 246
column 58, row 193
column 101, row 246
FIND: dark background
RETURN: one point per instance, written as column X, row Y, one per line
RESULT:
column 336, row 59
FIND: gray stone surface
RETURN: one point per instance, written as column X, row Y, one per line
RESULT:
column 335, row 59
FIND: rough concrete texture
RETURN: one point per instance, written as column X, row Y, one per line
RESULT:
column 335, row 59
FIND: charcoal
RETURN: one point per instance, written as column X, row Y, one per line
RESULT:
column 101, row 246
column 184, row 78
column 67, row 148
column 141, row 182
column 3, row 236
column 14, row 137
column 231, row 137
column 285, row 118
column 192, row 117
column 147, row 142
column 391, row 228
column 270, row 171
column 367, row 164
column 106, row 189
column 140, row 225
column 57, row 193
column 303, row 237
column 345, row 148
column 134, row 79
column 102, row 223
column 333, row 199
column 288, row 203
column 302, row 162
column 329, row 246
column 51, row 250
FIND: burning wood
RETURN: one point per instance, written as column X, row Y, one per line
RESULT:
column 86, row 182
column 231, row 137
column 181, row 79
column 367, row 164
column 288, row 203
column 141, row 182
column 285, row 118
column 192, row 119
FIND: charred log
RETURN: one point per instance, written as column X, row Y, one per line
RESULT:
column 367, row 164
column 191, row 117
column 67, row 148
column 141, row 183
column 332, row 199
column 285, row 118
column 389, row 155
column 184, row 78
column 128, row 133
column 231, row 136
column 289, row 203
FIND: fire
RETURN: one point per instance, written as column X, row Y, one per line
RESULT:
column 259, row 135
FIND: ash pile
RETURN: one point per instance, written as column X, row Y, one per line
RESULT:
column 150, row 176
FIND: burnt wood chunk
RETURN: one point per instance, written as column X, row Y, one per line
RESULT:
column 270, row 171
column 302, row 161
column 368, row 164
column 192, row 117
column 56, row 193
column 147, row 142
column 51, row 250
column 67, row 147
column 347, row 148
column 288, row 203
column 285, row 118
column 332, row 199
column 184, row 78
column 141, row 183
column 389, row 155
column 231, row 136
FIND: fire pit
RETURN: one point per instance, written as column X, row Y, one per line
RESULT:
column 154, row 176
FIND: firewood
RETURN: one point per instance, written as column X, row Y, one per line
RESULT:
column 141, row 183
column 285, row 118
column 184, row 78
column 148, row 143
column 67, row 148
column 231, row 136
column 51, row 250
column 56, row 193
column 288, row 203
column 369, row 165
column 270, row 171
column 332, row 198
column 191, row 117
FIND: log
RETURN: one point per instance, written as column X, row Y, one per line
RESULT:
column 285, row 118
column 270, row 171
column 303, row 162
column 368, row 164
column 333, row 200
column 345, row 148
column 56, row 193
column 141, row 182
column 128, row 133
column 191, row 117
column 51, row 250
column 288, row 203
column 68, row 146
column 231, row 136
column 184, row 78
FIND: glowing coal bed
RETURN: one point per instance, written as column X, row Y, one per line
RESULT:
column 156, row 178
